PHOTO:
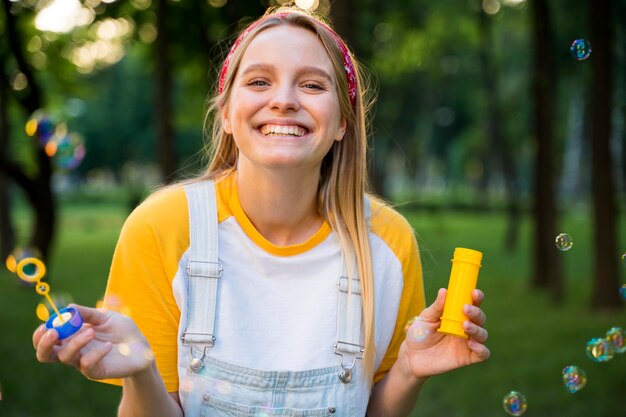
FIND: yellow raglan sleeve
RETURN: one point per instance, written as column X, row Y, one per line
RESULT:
column 145, row 261
column 400, row 236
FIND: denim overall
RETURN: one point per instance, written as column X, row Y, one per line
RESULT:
column 209, row 387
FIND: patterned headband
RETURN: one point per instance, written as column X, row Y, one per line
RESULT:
column 347, row 60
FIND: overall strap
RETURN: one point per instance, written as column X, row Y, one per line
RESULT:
column 203, row 267
column 348, row 343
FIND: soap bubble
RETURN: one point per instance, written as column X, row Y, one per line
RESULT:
column 418, row 331
column 574, row 378
column 409, row 323
column 580, row 49
column 40, row 125
column 514, row 403
column 600, row 350
column 622, row 291
column 564, row 242
column 615, row 336
column 67, row 150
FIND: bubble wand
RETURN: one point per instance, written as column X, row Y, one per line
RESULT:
column 66, row 321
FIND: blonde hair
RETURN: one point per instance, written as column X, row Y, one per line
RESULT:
column 343, row 175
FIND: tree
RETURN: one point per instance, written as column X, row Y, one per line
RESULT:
column 606, row 280
column 37, row 187
column 547, row 270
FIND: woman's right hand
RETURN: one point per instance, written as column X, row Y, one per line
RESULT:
column 109, row 345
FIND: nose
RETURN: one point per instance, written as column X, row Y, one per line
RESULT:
column 285, row 98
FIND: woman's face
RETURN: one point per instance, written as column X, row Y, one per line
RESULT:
column 283, row 111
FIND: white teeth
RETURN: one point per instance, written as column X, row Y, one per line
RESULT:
column 282, row 130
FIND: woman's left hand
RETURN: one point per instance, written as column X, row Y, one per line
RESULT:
column 428, row 352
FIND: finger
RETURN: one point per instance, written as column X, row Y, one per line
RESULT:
column 90, row 315
column 478, row 297
column 475, row 314
column 433, row 312
column 38, row 334
column 91, row 359
column 476, row 332
column 481, row 351
column 45, row 346
column 70, row 352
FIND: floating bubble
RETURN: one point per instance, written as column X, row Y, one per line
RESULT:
column 514, row 403
column 40, row 125
column 67, row 150
column 580, row 49
column 624, row 258
column 418, row 331
column 574, row 378
column 564, row 242
column 622, row 291
column 615, row 336
column 600, row 350
column 409, row 323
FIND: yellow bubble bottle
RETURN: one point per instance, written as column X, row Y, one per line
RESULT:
column 463, row 278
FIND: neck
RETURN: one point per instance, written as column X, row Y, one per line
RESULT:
column 281, row 206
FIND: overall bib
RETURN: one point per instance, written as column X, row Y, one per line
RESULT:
column 210, row 387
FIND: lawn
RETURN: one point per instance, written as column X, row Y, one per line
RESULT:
column 531, row 340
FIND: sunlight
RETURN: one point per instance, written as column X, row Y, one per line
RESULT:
column 61, row 16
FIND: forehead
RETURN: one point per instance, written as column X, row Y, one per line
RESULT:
column 284, row 44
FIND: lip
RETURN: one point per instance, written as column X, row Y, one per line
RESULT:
column 284, row 122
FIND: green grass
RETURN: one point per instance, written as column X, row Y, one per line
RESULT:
column 531, row 340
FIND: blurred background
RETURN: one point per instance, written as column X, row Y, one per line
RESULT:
column 499, row 125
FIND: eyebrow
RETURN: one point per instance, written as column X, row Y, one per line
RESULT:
column 306, row 69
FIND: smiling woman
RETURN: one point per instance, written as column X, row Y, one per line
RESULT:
column 274, row 283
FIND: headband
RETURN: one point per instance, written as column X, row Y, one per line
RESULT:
column 348, row 65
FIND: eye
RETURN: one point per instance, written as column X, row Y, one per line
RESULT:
column 313, row 86
column 257, row 83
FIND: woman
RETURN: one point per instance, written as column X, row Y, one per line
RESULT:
column 273, row 284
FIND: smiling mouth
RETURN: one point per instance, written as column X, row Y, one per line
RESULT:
column 283, row 130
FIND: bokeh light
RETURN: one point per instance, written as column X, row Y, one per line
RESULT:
column 62, row 16
column 563, row 242
column 515, row 403
column 580, row 49
column 574, row 378
column 615, row 335
column 309, row 5
column 600, row 350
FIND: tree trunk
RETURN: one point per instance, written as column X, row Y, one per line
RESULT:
column 7, row 232
column 166, row 150
column 547, row 263
column 497, row 144
column 606, row 281
column 38, row 189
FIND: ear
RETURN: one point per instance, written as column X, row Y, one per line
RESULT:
column 341, row 131
column 226, row 125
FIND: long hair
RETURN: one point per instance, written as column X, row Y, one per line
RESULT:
column 343, row 176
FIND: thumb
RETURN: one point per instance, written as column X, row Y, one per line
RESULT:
column 433, row 312
column 90, row 315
